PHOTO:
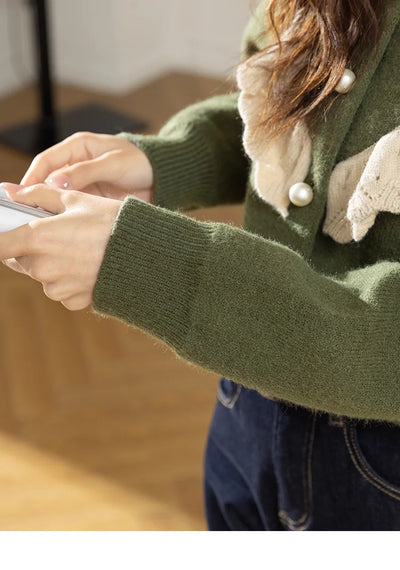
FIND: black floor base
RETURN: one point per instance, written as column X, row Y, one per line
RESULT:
column 32, row 138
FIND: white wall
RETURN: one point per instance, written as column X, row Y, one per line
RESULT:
column 210, row 31
column 115, row 45
column 15, row 45
column 145, row 33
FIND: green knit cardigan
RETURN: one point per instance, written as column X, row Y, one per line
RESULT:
column 277, row 306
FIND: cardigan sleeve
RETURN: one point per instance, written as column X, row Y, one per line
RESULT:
column 257, row 312
column 198, row 158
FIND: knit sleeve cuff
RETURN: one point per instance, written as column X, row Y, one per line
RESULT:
column 151, row 269
column 183, row 169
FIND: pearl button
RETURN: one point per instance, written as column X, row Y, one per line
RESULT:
column 346, row 83
column 301, row 194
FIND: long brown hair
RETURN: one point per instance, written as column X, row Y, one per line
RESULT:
column 323, row 37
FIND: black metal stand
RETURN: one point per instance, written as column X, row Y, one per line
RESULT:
column 51, row 127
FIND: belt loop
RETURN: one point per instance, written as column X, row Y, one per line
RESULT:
column 335, row 421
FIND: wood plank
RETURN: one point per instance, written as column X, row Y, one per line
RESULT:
column 108, row 425
column 25, row 362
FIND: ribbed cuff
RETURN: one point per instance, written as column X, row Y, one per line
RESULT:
column 183, row 169
column 151, row 269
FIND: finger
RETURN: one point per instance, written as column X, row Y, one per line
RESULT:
column 55, row 157
column 17, row 243
column 77, row 302
column 104, row 168
column 14, row 265
column 77, row 147
column 38, row 196
column 10, row 187
column 57, row 291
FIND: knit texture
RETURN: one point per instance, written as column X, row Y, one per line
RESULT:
column 277, row 305
column 206, row 139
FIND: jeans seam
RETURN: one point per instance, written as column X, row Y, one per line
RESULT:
column 363, row 468
column 303, row 522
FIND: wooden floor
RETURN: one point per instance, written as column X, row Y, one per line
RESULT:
column 101, row 426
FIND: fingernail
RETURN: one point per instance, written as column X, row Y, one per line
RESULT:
column 9, row 186
column 59, row 180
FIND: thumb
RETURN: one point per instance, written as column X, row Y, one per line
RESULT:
column 38, row 196
column 82, row 174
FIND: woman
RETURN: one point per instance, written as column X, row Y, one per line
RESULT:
column 299, row 310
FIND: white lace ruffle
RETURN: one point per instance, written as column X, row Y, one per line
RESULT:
column 360, row 186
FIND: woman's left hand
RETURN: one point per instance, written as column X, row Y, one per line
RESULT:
column 63, row 252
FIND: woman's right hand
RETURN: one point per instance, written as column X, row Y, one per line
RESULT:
column 103, row 165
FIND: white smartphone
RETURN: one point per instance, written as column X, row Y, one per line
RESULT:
column 13, row 215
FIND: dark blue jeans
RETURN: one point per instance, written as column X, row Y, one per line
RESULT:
column 271, row 466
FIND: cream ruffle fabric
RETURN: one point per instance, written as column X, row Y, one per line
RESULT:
column 361, row 187
column 278, row 164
